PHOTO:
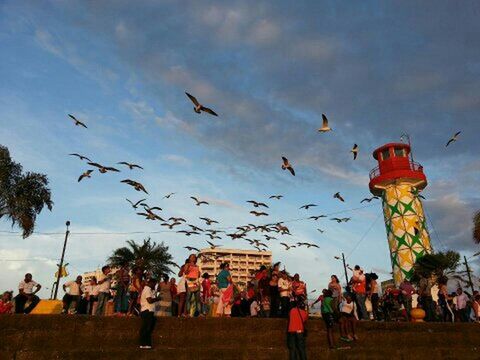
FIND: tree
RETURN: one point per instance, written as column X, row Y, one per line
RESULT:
column 149, row 256
column 476, row 227
column 440, row 265
column 22, row 195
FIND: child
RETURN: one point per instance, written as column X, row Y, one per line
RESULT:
column 348, row 318
column 254, row 307
column 327, row 315
column 297, row 318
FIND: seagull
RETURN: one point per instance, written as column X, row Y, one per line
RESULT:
column 130, row 166
column 453, row 138
column 339, row 197
column 77, row 122
column 286, row 165
column 306, row 207
column 198, row 202
column 101, row 168
column 137, row 203
column 136, row 185
column 191, row 248
column 325, row 127
column 150, row 215
column 354, row 151
column 208, row 221
column 268, row 237
column 317, row 217
column 148, row 208
column 282, row 228
column 320, row 231
column 188, row 233
column 340, row 220
column 172, row 225
column 287, row 247
column 257, row 204
column 256, row 213
column 169, row 195
column 81, row 157
column 199, row 107
column 86, row 174
column 175, row 219
column 195, row 228
column 213, row 236
column 212, row 245
column 278, row 197
column 236, row 236
column 308, row 245
column 369, row 199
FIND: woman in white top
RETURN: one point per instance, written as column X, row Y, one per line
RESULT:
column 182, row 291
column 348, row 318
column 147, row 311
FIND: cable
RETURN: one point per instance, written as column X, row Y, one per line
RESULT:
column 434, row 229
column 363, row 236
column 9, row 233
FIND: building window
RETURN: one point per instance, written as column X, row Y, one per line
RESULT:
column 385, row 154
column 400, row 152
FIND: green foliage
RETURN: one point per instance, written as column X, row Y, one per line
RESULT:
column 476, row 227
column 149, row 256
column 438, row 264
column 22, row 195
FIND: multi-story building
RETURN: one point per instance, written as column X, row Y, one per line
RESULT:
column 243, row 263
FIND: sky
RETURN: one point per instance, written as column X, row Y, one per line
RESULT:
column 269, row 69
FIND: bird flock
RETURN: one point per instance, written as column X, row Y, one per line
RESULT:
column 256, row 235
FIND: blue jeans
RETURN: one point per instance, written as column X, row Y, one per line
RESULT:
column 102, row 303
column 121, row 300
column 361, row 306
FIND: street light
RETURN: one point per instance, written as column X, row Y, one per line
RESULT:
column 60, row 266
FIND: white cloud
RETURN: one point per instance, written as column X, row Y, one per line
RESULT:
column 177, row 159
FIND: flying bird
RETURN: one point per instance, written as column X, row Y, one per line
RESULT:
column 268, row 237
column 325, row 127
column 213, row 236
column 257, row 204
column 369, row 199
column 86, row 174
column 103, row 169
column 212, row 245
column 278, row 197
column 287, row 247
column 139, row 202
column 354, row 151
column 169, row 195
column 81, row 157
column 172, row 225
column 150, row 215
column 338, row 220
column 191, row 248
column 320, row 231
column 177, row 219
column 256, row 213
column 188, row 233
column 287, row 166
column 195, row 228
column 199, row 107
column 136, row 185
column 453, row 138
column 198, row 202
column 317, row 217
column 208, row 221
column 308, row 206
column 130, row 166
column 77, row 122
column 339, row 197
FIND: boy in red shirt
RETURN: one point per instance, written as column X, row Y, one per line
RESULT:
column 297, row 319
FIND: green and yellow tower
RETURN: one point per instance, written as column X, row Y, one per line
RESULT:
column 398, row 180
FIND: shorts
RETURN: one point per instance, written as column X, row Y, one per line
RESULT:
column 329, row 320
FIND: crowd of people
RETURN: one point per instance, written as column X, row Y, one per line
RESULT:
column 271, row 292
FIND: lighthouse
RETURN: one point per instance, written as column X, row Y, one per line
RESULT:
column 398, row 180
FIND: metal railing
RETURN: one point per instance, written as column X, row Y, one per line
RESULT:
column 413, row 165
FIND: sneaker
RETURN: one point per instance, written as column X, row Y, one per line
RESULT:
column 145, row 347
column 346, row 339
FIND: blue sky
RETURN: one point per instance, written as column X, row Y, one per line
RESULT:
column 270, row 70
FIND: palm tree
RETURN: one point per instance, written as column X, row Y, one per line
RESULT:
column 149, row 256
column 476, row 227
column 441, row 265
column 22, row 195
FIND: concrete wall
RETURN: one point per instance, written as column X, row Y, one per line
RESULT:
column 80, row 337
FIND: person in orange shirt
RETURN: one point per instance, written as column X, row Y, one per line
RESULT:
column 192, row 276
column 297, row 319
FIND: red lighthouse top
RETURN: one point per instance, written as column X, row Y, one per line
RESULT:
column 394, row 165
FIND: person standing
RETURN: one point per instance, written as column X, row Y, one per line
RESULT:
column 192, row 276
column 121, row 296
column 75, row 291
column 135, row 289
column 461, row 300
column 6, row 305
column 274, row 291
column 328, row 316
column 336, row 289
column 225, row 287
column 206, row 293
column 447, row 315
column 407, row 290
column 26, row 293
column 297, row 318
column 173, row 295
column 147, row 313
column 374, row 296
column 360, row 289
column 104, row 283
column 285, row 288
column 348, row 318
column 425, row 297
column 476, row 308
column 91, row 296
column 299, row 288
column 165, row 304
column 182, row 291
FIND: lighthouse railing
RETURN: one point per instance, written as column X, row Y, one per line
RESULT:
column 413, row 166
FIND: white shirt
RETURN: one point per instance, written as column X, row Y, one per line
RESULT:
column 105, row 286
column 254, row 308
column 27, row 287
column 74, row 288
column 147, row 292
column 91, row 290
column 461, row 301
column 284, row 287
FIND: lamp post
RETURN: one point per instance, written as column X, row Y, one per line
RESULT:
column 60, row 266
column 470, row 282
column 344, row 267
